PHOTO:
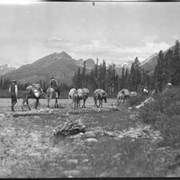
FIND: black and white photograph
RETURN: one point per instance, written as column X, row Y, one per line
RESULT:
column 89, row 89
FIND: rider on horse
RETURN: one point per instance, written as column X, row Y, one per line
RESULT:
column 53, row 83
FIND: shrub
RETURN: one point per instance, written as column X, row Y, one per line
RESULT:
column 164, row 115
column 170, row 131
column 136, row 100
column 149, row 114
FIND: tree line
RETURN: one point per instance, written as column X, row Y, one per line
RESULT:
column 134, row 79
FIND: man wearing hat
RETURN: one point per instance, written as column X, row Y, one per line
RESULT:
column 13, row 90
column 169, row 85
column 54, row 84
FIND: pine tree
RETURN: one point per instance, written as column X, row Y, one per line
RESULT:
column 101, row 78
column 127, row 79
column 135, row 74
column 77, row 79
column 167, row 69
column 176, row 65
column 123, row 78
column 84, row 82
column 158, row 73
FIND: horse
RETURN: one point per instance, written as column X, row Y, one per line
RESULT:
column 122, row 96
column 82, row 95
column 99, row 94
column 32, row 91
column 73, row 94
column 133, row 94
column 51, row 93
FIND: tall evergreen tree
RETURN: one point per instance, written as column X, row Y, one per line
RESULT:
column 101, row 78
column 135, row 74
column 176, row 65
column 127, row 79
column 123, row 78
column 167, row 67
column 77, row 79
column 84, row 82
column 158, row 73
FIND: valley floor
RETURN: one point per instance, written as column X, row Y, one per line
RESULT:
column 115, row 144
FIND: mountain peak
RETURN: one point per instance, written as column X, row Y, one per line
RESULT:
column 65, row 55
column 6, row 68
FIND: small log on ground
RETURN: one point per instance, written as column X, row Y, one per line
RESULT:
column 92, row 110
column 17, row 114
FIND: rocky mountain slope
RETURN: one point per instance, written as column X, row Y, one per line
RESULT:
column 6, row 68
column 60, row 65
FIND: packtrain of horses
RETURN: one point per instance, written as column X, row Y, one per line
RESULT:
column 76, row 95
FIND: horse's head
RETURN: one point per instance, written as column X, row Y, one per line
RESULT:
column 105, row 99
column 104, row 94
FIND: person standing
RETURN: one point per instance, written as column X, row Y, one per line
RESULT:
column 145, row 92
column 13, row 90
column 54, row 84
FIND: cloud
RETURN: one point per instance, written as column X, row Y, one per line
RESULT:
column 19, row 2
column 104, row 49
column 54, row 42
column 110, row 51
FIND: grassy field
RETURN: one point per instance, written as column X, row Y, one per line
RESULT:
column 109, row 148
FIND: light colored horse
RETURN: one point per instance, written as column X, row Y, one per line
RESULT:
column 52, row 94
column 74, row 96
column 122, row 96
column 83, row 94
column 133, row 94
column 32, row 92
column 99, row 94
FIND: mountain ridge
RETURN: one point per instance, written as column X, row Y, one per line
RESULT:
column 60, row 65
column 150, row 63
column 6, row 68
column 63, row 67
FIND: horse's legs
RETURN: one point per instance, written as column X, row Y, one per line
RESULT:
column 22, row 107
column 74, row 104
column 117, row 102
column 48, row 99
column 48, row 102
column 124, row 100
column 56, row 103
column 100, row 103
column 37, row 102
column 84, row 101
column 95, row 102
column 27, row 103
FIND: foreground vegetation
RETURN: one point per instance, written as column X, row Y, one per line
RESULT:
column 164, row 115
column 29, row 150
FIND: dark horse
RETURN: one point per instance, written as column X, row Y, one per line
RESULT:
column 31, row 92
column 51, row 93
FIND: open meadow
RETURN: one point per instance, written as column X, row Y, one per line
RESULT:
column 116, row 143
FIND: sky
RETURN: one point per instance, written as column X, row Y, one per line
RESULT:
column 114, row 31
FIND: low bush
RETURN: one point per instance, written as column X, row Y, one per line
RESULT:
column 164, row 115
column 148, row 114
column 170, row 130
column 136, row 100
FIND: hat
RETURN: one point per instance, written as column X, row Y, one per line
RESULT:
column 13, row 81
column 169, row 84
